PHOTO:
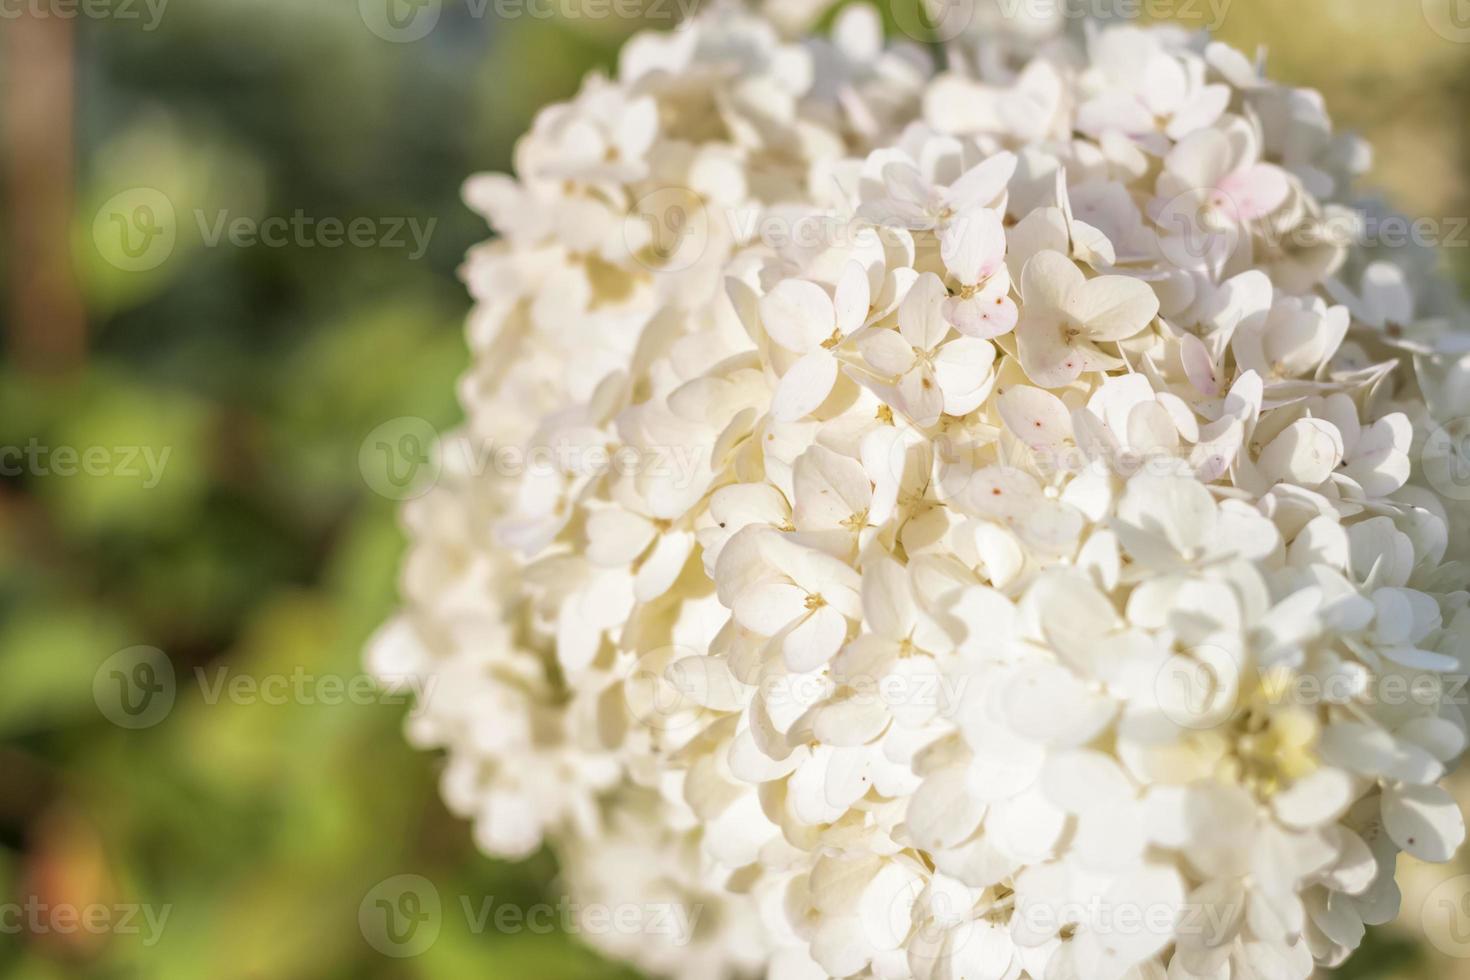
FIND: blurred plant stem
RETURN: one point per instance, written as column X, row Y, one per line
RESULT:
column 47, row 324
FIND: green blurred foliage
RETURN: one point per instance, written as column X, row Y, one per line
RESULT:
column 254, row 374
column 251, row 375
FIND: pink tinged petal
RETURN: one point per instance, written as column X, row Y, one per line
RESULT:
column 921, row 315
column 1036, row 417
column 982, row 316
column 1049, row 282
column 1256, row 192
column 982, row 183
column 1424, row 820
column 798, row 315
column 1114, row 307
column 1046, row 357
column 973, row 245
column 803, row 388
column 815, row 641
column 1217, row 451
column 1002, row 493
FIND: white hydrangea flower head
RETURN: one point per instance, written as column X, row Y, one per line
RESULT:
column 989, row 522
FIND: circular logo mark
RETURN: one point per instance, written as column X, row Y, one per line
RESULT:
column 1446, row 459
column 1446, row 917
column 1199, row 228
column 400, row 21
column 400, row 917
column 666, row 689
column 136, row 230
column 1199, row 691
column 1450, row 19
column 135, row 688
column 941, row 21
column 667, row 230
column 397, row 459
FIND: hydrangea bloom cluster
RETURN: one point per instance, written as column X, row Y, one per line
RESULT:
column 968, row 522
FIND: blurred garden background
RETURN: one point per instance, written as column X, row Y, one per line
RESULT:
column 224, row 391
